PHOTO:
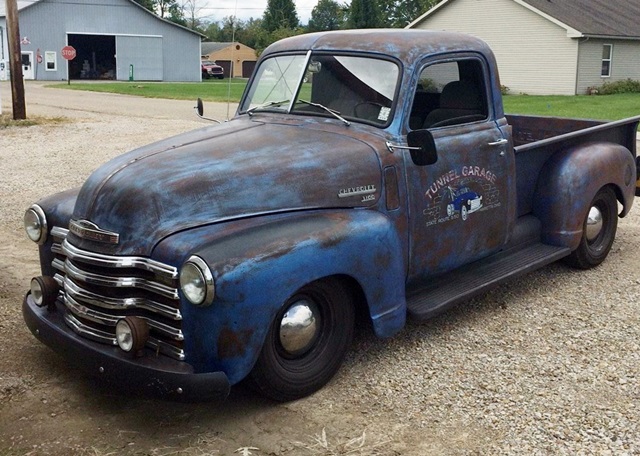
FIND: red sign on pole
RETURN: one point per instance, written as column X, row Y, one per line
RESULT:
column 68, row 53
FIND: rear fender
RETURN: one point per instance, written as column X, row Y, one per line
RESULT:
column 568, row 182
column 256, row 270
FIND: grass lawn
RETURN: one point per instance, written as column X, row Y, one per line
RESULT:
column 604, row 107
column 208, row 90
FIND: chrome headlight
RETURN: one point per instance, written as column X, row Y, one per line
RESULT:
column 196, row 282
column 35, row 224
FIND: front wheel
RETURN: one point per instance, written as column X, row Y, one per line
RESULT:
column 306, row 343
column 598, row 231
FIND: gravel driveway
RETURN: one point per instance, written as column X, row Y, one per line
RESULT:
column 546, row 365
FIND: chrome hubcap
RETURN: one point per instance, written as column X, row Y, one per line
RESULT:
column 299, row 327
column 594, row 223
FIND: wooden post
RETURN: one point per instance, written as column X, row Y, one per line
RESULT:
column 15, row 61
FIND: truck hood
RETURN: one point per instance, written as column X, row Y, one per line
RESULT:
column 239, row 169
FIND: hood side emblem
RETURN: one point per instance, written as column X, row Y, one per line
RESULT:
column 92, row 232
column 356, row 191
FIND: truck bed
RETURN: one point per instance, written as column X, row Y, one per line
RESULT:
column 537, row 138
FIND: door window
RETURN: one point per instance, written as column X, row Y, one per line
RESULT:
column 449, row 93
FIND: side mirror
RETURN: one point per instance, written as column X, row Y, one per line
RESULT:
column 199, row 107
column 422, row 147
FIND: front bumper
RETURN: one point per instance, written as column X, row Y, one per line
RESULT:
column 149, row 374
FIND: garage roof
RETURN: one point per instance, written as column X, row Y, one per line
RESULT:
column 22, row 4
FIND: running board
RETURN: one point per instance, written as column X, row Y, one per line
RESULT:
column 478, row 277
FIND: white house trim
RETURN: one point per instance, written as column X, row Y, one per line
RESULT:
column 428, row 13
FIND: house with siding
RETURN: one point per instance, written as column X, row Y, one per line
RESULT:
column 114, row 39
column 236, row 58
column 549, row 47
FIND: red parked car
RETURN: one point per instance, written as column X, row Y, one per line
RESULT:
column 211, row 69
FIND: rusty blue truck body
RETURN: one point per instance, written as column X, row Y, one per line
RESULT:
column 369, row 170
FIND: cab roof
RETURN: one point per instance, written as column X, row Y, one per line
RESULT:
column 404, row 44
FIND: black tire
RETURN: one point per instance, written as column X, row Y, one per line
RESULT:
column 284, row 376
column 593, row 251
column 464, row 210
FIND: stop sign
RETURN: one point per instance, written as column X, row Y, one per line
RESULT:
column 68, row 52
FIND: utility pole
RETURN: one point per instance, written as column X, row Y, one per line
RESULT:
column 15, row 61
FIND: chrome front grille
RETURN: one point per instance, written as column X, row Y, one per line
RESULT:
column 98, row 290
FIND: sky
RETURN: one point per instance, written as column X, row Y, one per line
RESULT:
column 216, row 10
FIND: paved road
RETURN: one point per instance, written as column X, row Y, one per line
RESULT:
column 46, row 101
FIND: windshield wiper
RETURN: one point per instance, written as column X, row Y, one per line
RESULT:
column 265, row 105
column 335, row 114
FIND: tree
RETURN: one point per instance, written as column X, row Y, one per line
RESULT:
column 212, row 31
column 190, row 12
column 400, row 13
column 268, row 38
column 326, row 15
column 280, row 14
column 148, row 4
column 229, row 29
column 364, row 14
column 251, row 33
column 166, row 9
column 175, row 14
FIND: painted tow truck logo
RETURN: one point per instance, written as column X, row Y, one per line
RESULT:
column 459, row 193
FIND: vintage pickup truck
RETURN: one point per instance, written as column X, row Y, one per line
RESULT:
column 367, row 173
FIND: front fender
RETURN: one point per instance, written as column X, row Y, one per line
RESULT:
column 58, row 209
column 258, row 268
column 568, row 182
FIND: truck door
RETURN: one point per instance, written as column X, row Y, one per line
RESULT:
column 459, row 206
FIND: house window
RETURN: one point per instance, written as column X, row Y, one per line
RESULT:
column 607, row 52
column 50, row 60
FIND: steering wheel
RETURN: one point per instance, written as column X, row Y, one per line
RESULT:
column 368, row 110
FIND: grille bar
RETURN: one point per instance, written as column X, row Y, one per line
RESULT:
column 98, row 259
column 108, row 338
column 118, row 282
column 109, row 319
column 80, row 294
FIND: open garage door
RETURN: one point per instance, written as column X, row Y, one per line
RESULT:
column 94, row 58
column 140, row 54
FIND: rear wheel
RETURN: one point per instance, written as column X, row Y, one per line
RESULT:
column 306, row 343
column 598, row 231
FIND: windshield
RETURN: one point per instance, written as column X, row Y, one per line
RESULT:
column 353, row 87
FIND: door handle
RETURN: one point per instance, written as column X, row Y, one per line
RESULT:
column 499, row 142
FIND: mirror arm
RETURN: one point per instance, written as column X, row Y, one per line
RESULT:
column 392, row 147
column 205, row 118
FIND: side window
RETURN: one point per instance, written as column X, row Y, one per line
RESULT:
column 449, row 93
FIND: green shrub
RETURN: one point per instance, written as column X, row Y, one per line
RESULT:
column 626, row 86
